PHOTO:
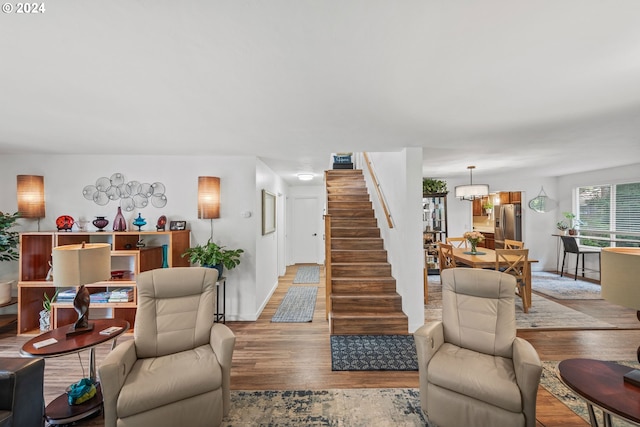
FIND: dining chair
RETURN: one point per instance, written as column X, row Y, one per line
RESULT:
column 571, row 247
column 516, row 263
column 457, row 242
column 513, row 244
column 445, row 256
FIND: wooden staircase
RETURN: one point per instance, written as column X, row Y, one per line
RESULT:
column 363, row 293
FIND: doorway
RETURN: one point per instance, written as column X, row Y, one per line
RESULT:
column 306, row 230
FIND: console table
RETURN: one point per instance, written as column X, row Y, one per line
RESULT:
column 601, row 385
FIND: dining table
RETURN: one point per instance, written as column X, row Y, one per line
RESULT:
column 486, row 258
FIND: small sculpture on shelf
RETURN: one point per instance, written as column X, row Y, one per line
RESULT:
column 119, row 223
column 139, row 222
column 162, row 222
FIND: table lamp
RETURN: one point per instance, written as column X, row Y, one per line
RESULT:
column 79, row 265
column 620, row 283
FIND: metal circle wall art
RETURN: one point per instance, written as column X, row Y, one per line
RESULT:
column 132, row 194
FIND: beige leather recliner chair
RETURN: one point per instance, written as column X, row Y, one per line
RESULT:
column 473, row 369
column 176, row 371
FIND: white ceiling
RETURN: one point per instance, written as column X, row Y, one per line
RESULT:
column 550, row 85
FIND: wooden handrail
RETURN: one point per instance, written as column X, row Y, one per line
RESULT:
column 378, row 191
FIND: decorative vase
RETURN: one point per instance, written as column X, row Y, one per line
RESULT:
column 100, row 223
column 45, row 320
column 165, row 256
column 119, row 223
column 474, row 249
column 139, row 222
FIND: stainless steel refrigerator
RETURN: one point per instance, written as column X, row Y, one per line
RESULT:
column 508, row 223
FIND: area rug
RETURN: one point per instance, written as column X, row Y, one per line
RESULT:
column 307, row 274
column 373, row 353
column 398, row 407
column 553, row 285
column 550, row 382
column 543, row 314
column 297, row 306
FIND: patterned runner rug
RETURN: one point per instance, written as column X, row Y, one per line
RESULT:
column 307, row 274
column 373, row 353
column 297, row 305
column 543, row 313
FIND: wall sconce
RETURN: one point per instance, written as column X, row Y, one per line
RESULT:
column 31, row 197
column 209, row 198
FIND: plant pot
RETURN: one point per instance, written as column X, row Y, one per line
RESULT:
column 45, row 320
column 219, row 267
column 572, row 232
column 5, row 292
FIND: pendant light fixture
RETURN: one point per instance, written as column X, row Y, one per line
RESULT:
column 471, row 191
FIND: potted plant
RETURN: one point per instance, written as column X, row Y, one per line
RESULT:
column 488, row 206
column 8, row 249
column 573, row 223
column 45, row 313
column 214, row 256
column 433, row 186
column 562, row 226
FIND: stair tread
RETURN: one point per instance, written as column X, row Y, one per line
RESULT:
column 368, row 314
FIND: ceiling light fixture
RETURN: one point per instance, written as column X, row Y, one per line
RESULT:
column 471, row 191
column 305, row 176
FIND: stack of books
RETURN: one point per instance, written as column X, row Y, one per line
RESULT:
column 66, row 296
column 99, row 297
column 121, row 295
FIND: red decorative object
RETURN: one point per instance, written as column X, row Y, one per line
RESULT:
column 162, row 222
column 64, row 223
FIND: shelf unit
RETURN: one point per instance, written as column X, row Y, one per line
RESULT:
column 434, row 226
column 126, row 258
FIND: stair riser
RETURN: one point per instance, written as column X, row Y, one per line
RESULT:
column 369, row 327
column 364, row 197
column 355, row 232
column 349, row 205
column 353, row 222
column 356, row 243
column 340, row 287
column 361, row 270
column 358, row 256
column 364, row 304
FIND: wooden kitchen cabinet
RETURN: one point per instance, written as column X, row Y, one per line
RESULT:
column 507, row 197
column 127, row 260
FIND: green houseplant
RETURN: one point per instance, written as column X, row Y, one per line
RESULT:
column 8, row 239
column 8, row 249
column 214, row 256
column 572, row 223
column 433, row 186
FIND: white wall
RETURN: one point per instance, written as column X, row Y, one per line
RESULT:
column 240, row 177
column 400, row 177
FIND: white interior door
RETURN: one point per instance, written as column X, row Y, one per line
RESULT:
column 306, row 233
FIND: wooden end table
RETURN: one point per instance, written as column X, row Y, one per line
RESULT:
column 59, row 411
column 601, row 385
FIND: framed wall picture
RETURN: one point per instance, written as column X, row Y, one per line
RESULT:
column 177, row 225
column 268, row 212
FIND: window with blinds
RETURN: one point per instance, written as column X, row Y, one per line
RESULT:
column 610, row 213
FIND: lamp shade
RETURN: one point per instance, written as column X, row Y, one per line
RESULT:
column 208, row 197
column 31, row 196
column 470, row 192
column 620, row 276
column 75, row 265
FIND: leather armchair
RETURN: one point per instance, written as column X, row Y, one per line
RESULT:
column 21, row 392
column 177, row 369
column 473, row 369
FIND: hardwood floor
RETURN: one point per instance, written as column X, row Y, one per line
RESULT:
column 287, row 356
